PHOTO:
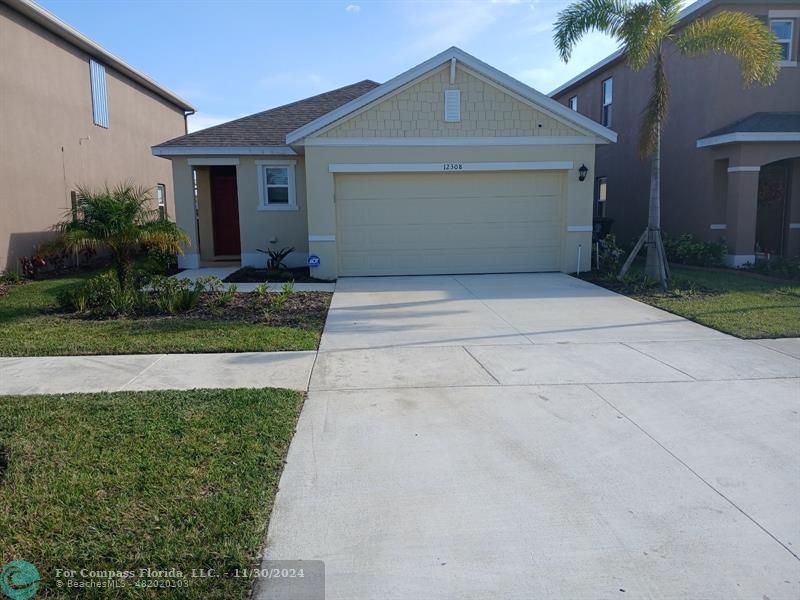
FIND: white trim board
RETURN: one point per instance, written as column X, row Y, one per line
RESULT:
column 548, row 140
column 448, row 167
column 794, row 225
column 322, row 238
column 219, row 162
column 222, row 150
column 444, row 58
column 744, row 169
column 744, row 136
column 718, row 226
column 580, row 228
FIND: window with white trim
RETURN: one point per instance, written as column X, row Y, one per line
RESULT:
column 608, row 99
column 573, row 103
column 161, row 197
column 783, row 29
column 277, row 186
column 602, row 196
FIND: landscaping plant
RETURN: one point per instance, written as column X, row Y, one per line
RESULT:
column 646, row 30
column 121, row 221
column 688, row 250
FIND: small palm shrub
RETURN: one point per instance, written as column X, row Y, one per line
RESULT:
column 121, row 221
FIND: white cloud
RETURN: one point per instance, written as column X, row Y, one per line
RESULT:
column 202, row 120
column 352, row 8
column 451, row 23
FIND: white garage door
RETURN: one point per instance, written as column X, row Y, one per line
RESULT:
column 437, row 223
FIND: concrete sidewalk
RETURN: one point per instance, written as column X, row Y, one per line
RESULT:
column 64, row 374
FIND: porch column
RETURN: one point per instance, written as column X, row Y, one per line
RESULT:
column 185, row 216
column 742, row 208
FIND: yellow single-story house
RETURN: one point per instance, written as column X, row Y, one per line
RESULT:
column 450, row 167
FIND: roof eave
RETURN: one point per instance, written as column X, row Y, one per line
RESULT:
column 749, row 137
column 49, row 21
column 178, row 151
column 295, row 137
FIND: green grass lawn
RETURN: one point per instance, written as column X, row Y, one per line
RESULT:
column 29, row 326
column 134, row 480
column 733, row 302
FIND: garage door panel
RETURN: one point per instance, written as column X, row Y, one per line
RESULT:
column 409, row 262
column 428, row 223
column 408, row 211
column 441, row 185
column 459, row 236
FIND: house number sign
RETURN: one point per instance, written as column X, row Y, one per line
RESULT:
column 452, row 166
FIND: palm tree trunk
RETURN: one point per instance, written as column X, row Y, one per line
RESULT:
column 652, row 267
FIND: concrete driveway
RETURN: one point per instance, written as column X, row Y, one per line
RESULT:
column 535, row 436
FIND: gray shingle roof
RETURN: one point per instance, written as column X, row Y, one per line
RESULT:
column 269, row 128
column 761, row 122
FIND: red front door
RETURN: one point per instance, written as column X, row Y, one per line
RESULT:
column 225, row 211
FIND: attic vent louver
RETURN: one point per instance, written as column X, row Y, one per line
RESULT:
column 452, row 106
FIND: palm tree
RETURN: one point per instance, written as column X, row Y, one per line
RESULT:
column 644, row 29
column 122, row 221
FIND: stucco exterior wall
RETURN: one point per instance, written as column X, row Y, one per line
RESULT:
column 418, row 111
column 706, row 93
column 321, row 189
column 49, row 142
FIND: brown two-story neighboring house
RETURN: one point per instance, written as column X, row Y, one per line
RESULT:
column 71, row 114
column 730, row 156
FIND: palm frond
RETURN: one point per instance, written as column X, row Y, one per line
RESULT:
column 641, row 33
column 584, row 16
column 740, row 35
column 655, row 113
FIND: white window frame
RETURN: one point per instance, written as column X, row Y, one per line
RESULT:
column 263, row 203
column 161, row 199
column 570, row 103
column 609, row 104
column 788, row 41
column 602, row 186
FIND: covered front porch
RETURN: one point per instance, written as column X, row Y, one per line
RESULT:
column 757, row 187
column 227, row 205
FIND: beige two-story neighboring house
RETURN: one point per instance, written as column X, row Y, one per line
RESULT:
column 71, row 114
column 730, row 167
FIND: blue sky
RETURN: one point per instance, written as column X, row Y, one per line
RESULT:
column 232, row 57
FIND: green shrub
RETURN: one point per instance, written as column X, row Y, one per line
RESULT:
column 101, row 295
column 278, row 300
column 173, row 296
column 687, row 250
column 225, row 297
column 777, row 266
column 610, row 254
column 10, row 277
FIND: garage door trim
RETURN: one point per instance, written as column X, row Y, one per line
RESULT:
column 450, row 167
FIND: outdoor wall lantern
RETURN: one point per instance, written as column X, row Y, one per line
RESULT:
column 582, row 173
